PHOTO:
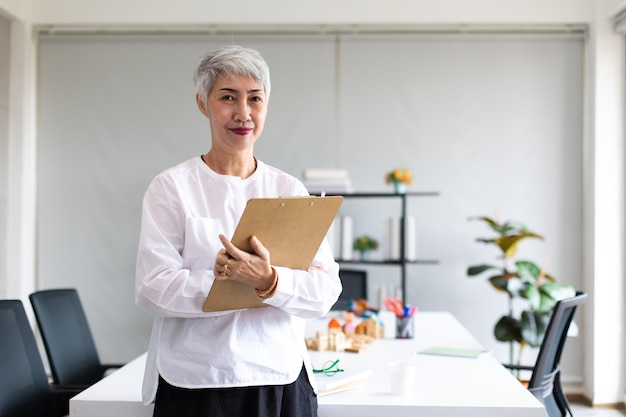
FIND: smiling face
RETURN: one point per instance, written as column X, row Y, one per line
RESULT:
column 236, row 107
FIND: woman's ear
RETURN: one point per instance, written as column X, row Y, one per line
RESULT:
column 201, row 106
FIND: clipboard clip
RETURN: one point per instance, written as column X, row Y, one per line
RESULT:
column 282, row 204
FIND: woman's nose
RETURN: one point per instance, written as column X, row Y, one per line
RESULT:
column 243, row 112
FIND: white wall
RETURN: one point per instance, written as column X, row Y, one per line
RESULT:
column 612, row 6
column 5, row 30
column 603, row 351
column 15, row 9
column 395, row 12
column 604, row 207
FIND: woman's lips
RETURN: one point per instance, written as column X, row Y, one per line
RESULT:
column 242, row 131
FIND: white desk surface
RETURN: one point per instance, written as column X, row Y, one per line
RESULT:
column 445, row 386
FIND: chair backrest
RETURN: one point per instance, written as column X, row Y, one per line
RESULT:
column 354, row 284
column 69, row 344
column 546, row 369
column 24, row 388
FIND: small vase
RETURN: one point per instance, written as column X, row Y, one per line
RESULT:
column 365, row 255
column 399, row 187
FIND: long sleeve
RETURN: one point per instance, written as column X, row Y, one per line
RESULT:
column 165, row 285
column 309, row 294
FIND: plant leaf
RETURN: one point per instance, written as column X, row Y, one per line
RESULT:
column 533, row 327
column 487, row 220
column 533, row 295
column 549, row 277
column 551, row 292
column 509, row 226
column 508, row 244
column 557, row 291
column 507, row 329
column 479, row 269
column 501, row 229
column 499, row 283
column 528, row 271
column 515, row 287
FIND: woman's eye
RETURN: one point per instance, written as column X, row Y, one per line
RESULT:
column 256, row 99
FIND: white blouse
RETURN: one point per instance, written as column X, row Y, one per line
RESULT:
column 185, row 208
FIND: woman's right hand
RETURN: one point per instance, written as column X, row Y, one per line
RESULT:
column 254, row 269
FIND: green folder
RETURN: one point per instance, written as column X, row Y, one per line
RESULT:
column 448, row 351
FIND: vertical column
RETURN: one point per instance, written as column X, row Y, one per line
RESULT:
column 21, row 210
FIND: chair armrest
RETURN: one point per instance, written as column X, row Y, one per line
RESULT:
column 112, row 365
column 61, row 395
column 67, row 389
column 518, row 367
column 108, row 368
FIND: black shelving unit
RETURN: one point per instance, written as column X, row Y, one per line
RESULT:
column 402, row 262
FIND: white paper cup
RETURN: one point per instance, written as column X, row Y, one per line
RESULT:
column 402, row 378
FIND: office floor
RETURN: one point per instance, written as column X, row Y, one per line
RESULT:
column 581, row 410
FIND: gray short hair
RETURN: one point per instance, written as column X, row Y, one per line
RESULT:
column 230, row 60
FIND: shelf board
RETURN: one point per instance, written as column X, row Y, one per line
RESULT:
column 386, row 195
column 388, row 262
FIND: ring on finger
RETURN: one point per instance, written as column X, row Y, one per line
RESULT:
column 223, row 273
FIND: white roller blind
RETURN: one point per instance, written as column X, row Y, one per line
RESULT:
column 493, row 122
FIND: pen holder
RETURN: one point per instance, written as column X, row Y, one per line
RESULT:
column 405, row 327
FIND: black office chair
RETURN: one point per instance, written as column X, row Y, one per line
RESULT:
column 354, row 284
column 24, row 387
column 67, row 338
column 545, row 382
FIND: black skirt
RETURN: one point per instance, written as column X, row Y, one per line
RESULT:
column 293, row 400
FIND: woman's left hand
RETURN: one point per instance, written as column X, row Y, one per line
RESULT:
column 254, row 269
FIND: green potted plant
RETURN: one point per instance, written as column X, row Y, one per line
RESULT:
column 519, row 279
column 364, row 244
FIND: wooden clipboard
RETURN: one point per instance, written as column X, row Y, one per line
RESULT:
column 291, row 228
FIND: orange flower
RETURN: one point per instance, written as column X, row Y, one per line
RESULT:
column 399, row 175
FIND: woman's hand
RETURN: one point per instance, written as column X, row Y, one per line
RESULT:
column 254, row 269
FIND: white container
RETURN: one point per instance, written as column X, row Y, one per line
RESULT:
column 402, row 378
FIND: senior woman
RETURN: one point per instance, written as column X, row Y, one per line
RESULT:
column 248, row 362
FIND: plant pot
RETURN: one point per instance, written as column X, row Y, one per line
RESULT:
column 399, row 187
column 365, row 255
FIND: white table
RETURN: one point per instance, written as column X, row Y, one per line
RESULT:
column 445, row 386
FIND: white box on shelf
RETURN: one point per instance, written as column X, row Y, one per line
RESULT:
column 394, row 239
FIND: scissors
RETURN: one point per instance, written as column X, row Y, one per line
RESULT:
column 395, row 306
